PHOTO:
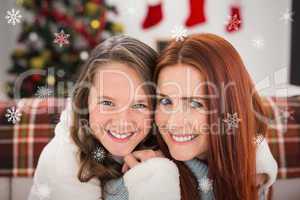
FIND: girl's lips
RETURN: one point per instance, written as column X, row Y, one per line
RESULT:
column 124, row 137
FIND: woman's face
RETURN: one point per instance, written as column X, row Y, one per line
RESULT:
column 181, row 113
column 119, row 109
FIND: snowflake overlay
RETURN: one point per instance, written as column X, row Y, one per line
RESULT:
column 43, row 92
column 61, row 38
column 205, row 185
column 258, row 43
column 284, row 115
column 13, row 16
column 232, row 120
column 99, row 154
column 179, row 33
column 13, row 115
column 287, row 16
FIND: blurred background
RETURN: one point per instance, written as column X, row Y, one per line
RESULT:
column 44, row 42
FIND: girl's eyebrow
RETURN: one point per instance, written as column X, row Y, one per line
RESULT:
column 105, row 97
column 112, row 99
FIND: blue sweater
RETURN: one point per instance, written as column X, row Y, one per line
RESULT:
column 116, row 190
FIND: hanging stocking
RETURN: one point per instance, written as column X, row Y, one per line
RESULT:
column 197, row 13
column 154, row 14
column 235, row 19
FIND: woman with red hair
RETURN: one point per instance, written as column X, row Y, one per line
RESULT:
column 208, row 109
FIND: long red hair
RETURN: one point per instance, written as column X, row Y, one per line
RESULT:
column 231, row 157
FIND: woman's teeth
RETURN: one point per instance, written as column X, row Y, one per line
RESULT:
column 121, row 136
column 181, row 138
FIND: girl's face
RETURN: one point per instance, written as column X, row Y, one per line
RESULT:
column 119, row 109
column 181, row 113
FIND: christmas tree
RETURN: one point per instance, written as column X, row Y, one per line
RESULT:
column 55, row 42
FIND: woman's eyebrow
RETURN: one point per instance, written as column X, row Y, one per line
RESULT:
column 161, row 95
column 194, row 97
column 184, row 97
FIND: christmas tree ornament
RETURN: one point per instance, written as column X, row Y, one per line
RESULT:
column 234, row 22
column 95, row 24
column 37, row 62
column 154, row 14
column 84, row 55
column 197, row 13
column 36, row 77
column 50, row 80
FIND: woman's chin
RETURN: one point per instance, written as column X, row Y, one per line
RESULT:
column 182, row 156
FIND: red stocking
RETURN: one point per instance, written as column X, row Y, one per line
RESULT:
column 197, row 13
column 235, row 21
column 154, row 15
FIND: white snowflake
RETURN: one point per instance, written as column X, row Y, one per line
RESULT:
column 258, row 43
column 232, row 120
column 258, row 139
column 99, row 154
column 13, row 16
column 43, row 92
column 284, row 115
column 13, row 115
column 205, row 185
column 287, row 16
column 233, row 23
column 61, row 38
column 179, row 33
column 43, row 191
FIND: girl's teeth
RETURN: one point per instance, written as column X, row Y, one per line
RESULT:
column 183, row 138
column 120, row 136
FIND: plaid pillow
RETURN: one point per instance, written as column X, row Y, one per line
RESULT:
column 284, row 136
column 21, row 141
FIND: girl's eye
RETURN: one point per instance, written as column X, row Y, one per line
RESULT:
column 196, row 104
column 139, row 106
column 165, row 101
column 106, row 103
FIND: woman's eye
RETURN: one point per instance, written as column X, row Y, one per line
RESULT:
column 196, row 104
column 106, row 103
column 139, row 106
column 165, row 101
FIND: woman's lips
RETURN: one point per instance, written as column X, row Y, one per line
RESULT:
column 182, row 138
